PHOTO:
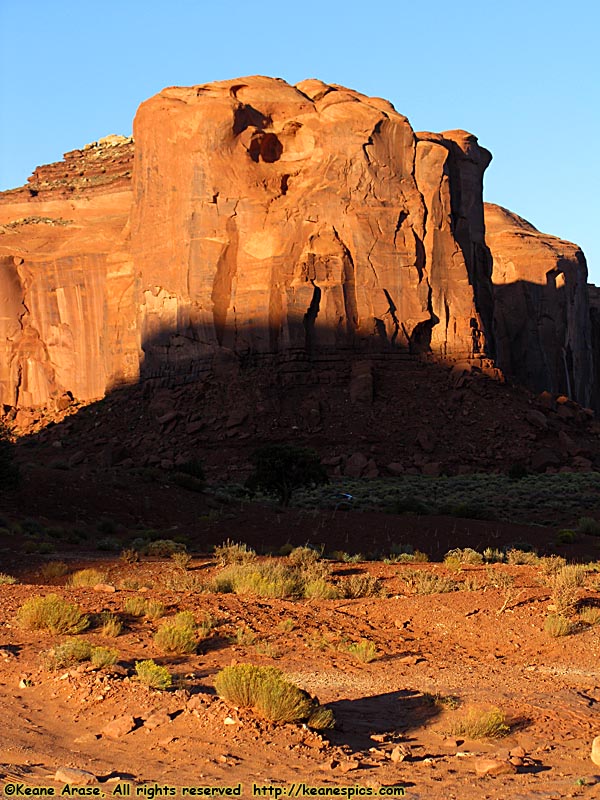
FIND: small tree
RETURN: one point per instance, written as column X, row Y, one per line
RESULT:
column 280, row 469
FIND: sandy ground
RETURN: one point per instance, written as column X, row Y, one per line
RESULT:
column 438, row 656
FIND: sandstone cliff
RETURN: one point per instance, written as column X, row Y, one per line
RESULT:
column 261, row 218
column 541, row 308
column 253, row 218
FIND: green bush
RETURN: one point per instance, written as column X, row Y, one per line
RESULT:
column 362, row 585
column 86, row 577
column 73, row 651
column 281, row 469
column 178, row 635
column 53, row 614
column 266, row 691
column 589, row 526
column 150, row 674
column 464, row 555
column 233, row 553
column 556, row 625
column 364, row 651
column 103, row 657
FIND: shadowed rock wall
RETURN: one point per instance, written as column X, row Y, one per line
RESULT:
column 541, row 312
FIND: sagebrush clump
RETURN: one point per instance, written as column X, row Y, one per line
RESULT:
column 266, row 691
column 53, row 614
column 152, row 675
column 178, row 635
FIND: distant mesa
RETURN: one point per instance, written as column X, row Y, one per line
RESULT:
column 251, row 217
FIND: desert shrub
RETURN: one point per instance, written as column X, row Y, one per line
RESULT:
column 153, row 676
column 178, row 635
column 590, row 615
column 135, row 606
column 303, row 556
column 492, row 555
column 408, row 504
column 163, row 548
column 73, row 651
column 181, row 560
column 320, row 589
column 362, row 585
column 566, row 536
column 268, row 649
column 103, row 657
column 550, row 565
column 86, row 577
column 234, row 553
column 266, row 691
column 185, row 582
column 106, row 525
column 517, row 471
column 321, row 719
column 564, row 585
column 154, row 609
column 481, row 725
column 465, row 555
column 111, row 625
column 557, row 625
column 7, row 579
column 364, row 651
column 588, row 526
column 405, row 553
column 9, row 471
column 244, row 636
column 286, row 625
column 53, row 614
column 517, row 556
column 108, row 543
column 53, row 569
column 422, row 582
column 280, row 469
column 129, row 556
column 269, row 579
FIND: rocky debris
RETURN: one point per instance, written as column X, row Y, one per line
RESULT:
column 494, row 766
column 72, row 775
column 156, row 719
column 119, row 727
column 361, row 383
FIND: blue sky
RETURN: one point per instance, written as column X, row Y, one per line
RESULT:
column 522, row 76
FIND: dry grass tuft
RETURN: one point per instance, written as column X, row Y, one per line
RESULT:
column 481, row 725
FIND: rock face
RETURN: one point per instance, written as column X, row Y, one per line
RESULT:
column 269, row 217
column 261, row 218
column 67, row 301
column 541, row 307
column 255, row 219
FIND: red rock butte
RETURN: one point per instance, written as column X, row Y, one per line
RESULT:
column 251, row 217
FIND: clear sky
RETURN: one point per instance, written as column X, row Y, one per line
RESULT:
column 523, row 76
